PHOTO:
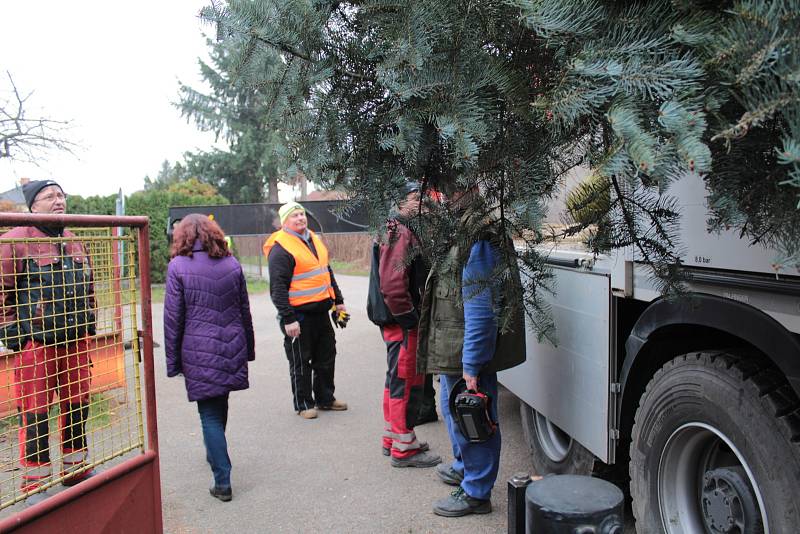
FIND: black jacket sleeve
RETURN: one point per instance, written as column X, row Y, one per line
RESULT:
column 281, row 268
column 337, row 293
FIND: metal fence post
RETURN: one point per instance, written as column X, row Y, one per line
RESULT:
column 517, row 485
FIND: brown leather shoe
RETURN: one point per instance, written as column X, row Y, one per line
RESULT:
column 336, row 406
column 311, row 413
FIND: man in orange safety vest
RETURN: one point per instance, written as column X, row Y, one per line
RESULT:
column 304, row 290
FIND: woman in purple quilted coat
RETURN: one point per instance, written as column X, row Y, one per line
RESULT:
column 208, row 332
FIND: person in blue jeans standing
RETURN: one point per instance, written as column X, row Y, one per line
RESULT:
column 208, row 333
column 460, row 337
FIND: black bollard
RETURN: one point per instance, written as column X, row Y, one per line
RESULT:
column 572, row 504
column 516, row 502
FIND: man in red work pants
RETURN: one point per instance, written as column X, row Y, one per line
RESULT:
column 395, row 290
column 47, row 314
column 40, row 372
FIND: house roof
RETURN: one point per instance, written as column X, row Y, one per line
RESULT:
column 14, row 195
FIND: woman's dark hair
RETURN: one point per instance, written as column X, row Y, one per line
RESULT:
column 196, row 227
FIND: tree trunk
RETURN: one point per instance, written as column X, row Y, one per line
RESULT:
column 303, row 187
column 272, row 189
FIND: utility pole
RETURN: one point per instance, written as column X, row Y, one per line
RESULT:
column 120, row 211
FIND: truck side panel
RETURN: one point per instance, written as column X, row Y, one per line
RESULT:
column 570, row 383
column 723, row 250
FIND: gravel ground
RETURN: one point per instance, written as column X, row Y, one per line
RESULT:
column 328, row 474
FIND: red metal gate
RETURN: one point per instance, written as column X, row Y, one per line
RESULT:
column 120, row 436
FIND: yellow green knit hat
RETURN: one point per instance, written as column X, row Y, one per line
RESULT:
column 288, row 208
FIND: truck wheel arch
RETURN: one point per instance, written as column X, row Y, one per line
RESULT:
column 713, row 313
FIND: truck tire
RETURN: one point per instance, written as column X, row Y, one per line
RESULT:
column 715, row 448
column 552, row 450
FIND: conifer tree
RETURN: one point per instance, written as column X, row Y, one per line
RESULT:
column 648, row 91
column 236, row 111
column 510, row 95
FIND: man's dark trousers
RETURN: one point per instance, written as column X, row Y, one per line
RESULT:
column 311, row 361
column 427, row 406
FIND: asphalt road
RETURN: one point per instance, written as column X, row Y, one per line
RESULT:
column 323, row 475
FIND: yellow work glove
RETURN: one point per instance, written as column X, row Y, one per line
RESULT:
column 339, row 318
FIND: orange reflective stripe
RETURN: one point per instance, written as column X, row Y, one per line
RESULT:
column 311, row 279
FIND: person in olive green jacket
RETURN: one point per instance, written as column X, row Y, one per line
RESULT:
column 459, row 337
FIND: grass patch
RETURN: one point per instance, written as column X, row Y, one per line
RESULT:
column 343, row 267
column 7, row 423
column 252, row 260
column 99, row 412
column 157, row 293
column 255, row 286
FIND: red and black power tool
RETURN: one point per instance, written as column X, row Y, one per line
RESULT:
column 472, row 412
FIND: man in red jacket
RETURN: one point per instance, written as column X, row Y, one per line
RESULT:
column 47, row 315
column 401, row 278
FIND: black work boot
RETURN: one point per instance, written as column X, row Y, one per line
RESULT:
column 448, row 475
column 459, row 504
column 421, row 459
column 223, row 494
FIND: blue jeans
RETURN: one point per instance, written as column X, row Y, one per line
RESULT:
column 478, row 461
column 214, row 419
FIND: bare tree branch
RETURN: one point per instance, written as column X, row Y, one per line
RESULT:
column 24, row 138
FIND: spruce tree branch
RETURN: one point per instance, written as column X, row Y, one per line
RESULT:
column 286, row 49
column 769, row 229
column 655, row 220
column 756, row 116
column 628, row 218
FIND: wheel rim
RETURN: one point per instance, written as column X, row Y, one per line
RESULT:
column 555, row 442
column 694, row 481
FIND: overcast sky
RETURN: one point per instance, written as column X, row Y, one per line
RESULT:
column 113, row 69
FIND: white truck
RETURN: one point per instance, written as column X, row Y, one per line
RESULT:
column 695, row 397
